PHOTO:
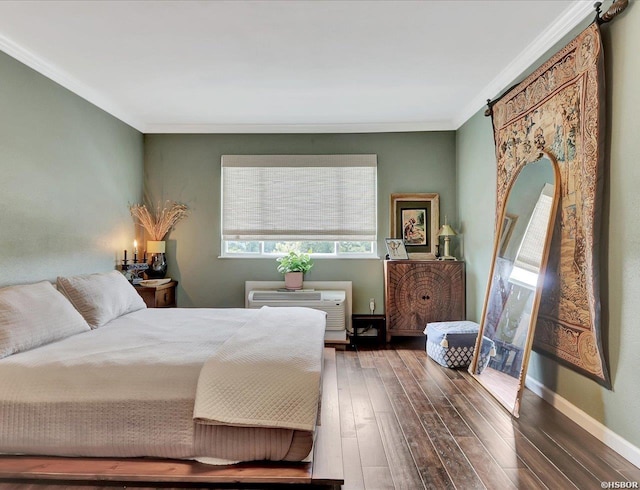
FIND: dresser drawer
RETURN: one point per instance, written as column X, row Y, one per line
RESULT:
column 165, row 297
column 161, row 297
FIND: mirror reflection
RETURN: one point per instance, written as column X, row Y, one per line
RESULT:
column 514, row 292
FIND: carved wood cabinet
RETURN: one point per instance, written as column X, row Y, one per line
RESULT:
column 421, row 291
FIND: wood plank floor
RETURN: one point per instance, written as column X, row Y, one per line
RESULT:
column 408, row 423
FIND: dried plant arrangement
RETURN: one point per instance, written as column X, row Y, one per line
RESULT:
column 159, row 224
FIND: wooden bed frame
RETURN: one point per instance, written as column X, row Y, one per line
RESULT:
column 325, row 470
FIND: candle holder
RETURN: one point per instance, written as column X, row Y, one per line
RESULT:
column 133, row 272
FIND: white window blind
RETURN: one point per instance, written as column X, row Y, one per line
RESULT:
column 529, row 257
column 299, row 197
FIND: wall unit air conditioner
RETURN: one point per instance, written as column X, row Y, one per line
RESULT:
column 332, row 302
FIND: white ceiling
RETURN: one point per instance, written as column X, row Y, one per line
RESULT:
column 286, row 66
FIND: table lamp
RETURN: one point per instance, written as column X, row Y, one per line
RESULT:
column 447, row 232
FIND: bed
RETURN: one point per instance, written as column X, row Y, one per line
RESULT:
column 192, row 395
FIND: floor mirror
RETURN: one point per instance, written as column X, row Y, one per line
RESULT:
column 516, row 280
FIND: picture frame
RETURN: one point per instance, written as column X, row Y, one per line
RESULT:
column 508, row 224
column 396, row 249
column 415, row 219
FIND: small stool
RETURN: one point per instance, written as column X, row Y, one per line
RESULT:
column 451, row 344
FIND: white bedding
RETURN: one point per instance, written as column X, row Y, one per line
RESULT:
column 126, row 389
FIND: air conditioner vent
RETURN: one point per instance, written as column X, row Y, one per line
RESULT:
column 331, row 302
column 287, row 295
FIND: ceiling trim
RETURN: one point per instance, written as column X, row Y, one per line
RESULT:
column 62, row 78
column 571, row 17
column 398, row 127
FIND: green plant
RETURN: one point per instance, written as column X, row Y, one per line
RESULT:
column 294, row 262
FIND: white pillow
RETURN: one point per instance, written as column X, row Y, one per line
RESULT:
column 32, row 315
column 101, row 297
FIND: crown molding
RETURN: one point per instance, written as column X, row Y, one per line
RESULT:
column 400, row 127
column 572, row 16
column 70, row 83
column 65, row 80
column 62, row 78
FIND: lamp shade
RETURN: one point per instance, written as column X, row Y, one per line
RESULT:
column 155, row 247
column 446, row 230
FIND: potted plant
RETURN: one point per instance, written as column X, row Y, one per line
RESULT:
column 293, row 266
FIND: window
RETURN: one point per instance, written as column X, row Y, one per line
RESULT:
column 325, row 204
column 526, row 266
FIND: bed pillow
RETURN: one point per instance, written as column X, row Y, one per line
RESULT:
column 32, row 315
column 101, row 297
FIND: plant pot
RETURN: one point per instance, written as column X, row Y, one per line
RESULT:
column 293, row 280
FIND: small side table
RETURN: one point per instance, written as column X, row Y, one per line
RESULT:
column 163, row 296
column 362, row 323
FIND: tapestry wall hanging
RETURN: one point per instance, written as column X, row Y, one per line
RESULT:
column 560, row 108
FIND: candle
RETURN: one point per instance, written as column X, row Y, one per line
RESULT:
column 135, row 246
column 125, row 255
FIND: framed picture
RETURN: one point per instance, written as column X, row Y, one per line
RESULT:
column 508, row 224
column 396, row 249
column 415, row 219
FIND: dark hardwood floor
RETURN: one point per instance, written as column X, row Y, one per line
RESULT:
column 408, row 423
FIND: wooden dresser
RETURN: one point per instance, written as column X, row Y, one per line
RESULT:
column 421, row 291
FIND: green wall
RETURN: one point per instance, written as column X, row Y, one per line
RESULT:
column 68, row 171
column 187, row 168
column 620, row 259
column 476, row 189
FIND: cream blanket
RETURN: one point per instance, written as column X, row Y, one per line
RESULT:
column 127, row 389
column 254, row 381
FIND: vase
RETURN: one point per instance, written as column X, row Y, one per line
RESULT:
column 293, row 280
column 158, row 262
column 157, row 266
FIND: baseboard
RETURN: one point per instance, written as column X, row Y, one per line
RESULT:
column 620, row 445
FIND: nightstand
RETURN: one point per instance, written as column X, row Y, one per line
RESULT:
column 362, row 324
column 163, row 296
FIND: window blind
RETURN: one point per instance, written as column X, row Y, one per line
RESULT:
column 529, row 256
column 299, row 197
